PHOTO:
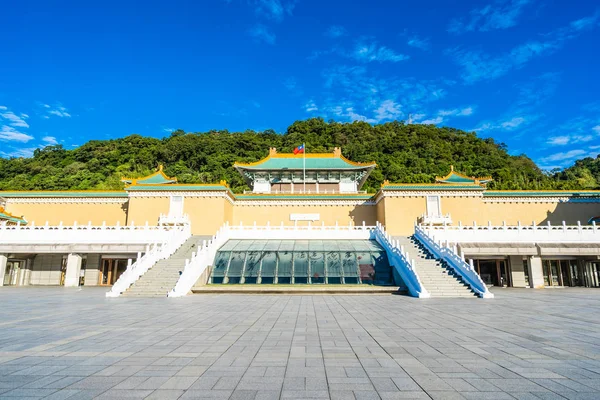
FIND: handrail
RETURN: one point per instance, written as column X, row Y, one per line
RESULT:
column 306, row 192
column 401, row 263
column 519, row 233
column 198, row 262
column 134, row 271
column 456, row 262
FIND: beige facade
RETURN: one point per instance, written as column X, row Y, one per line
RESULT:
column 69, row 210
column 398, row 212
column 276, row 212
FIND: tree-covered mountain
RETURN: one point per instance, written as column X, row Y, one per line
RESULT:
column 404, row 153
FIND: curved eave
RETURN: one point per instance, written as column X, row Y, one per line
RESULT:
column 11, row 218
column 433, row 186
column 304, row 196
column 259, row 165
column 178, row 187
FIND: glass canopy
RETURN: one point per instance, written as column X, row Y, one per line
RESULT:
column 302, row 262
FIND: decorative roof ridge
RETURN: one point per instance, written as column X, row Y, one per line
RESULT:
column 9, row 216
column 136, row 181
column 476, row 180
column 387, row 183
column 273, row 154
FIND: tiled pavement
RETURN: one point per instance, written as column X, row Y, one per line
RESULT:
column 60, row 343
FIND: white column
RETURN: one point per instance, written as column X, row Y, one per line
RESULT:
column 536, row 274
column 517, row 270
column 3, row 262
column 73, row 269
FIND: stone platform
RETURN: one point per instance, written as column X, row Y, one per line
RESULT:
column 70, row 343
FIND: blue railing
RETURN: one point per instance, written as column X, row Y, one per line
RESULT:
column 454, row 261
column 401, row 264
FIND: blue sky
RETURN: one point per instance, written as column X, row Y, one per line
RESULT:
column 525, row 72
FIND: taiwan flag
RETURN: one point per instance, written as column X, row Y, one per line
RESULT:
column 299, row 149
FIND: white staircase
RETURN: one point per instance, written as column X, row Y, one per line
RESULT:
column 436, row 278
column 162, row 277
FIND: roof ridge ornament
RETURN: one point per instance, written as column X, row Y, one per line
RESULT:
column 156, row 178
column 457, row 177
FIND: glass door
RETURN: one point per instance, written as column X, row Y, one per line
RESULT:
column 12, row 273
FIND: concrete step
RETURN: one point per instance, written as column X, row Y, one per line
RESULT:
column 163, row 276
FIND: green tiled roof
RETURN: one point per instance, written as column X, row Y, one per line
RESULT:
column 154, row 180
column 178, row 187
column 304, row 196
column 297, row 163
column 453, row 178
column 83, row 193
column 10, row 218
column 431, row 186
column 541, row 193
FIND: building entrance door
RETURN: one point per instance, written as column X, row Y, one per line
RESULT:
column 12, row 273
column 112, row 268
column 493, row 272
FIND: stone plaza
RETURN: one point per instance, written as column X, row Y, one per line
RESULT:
column 69, row 343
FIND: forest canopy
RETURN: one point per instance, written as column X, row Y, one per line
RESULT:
column 404, row 153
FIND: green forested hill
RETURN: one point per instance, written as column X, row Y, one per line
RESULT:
column 404, row 153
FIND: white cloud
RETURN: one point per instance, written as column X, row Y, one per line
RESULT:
column 274, row 9
column 513, row 123
column 477, row 66
column 458, row 112
column 596, row 129
column 2, row 108
column 352, row 93
column 49, row 140
column 502, row 14
column 60, row 111
column 419, row 43
column 509, row 124
column 336, row 31
column 10, row 134
column 262, row 33
column 564, row 156
column 310, row 106
column 14, row 120
column 388, row 110
column 433, row 121
column 370, row 51
column 569, row 139
column 441, row 116
column 168, row 130
column 558, row 140
column 23, row 152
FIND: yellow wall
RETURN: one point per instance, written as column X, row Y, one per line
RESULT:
column 142, row 209
column 207, row 214
column 69, row 213
column 401, row 213
column 468, row 211
column 275, row 214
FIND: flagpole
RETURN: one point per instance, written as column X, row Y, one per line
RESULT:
column 304, row 164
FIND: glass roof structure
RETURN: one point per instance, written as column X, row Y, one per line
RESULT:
column 301, row 262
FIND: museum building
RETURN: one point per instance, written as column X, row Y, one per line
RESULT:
column 305, row 222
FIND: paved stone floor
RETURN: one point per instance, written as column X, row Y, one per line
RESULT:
column 60, row 343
